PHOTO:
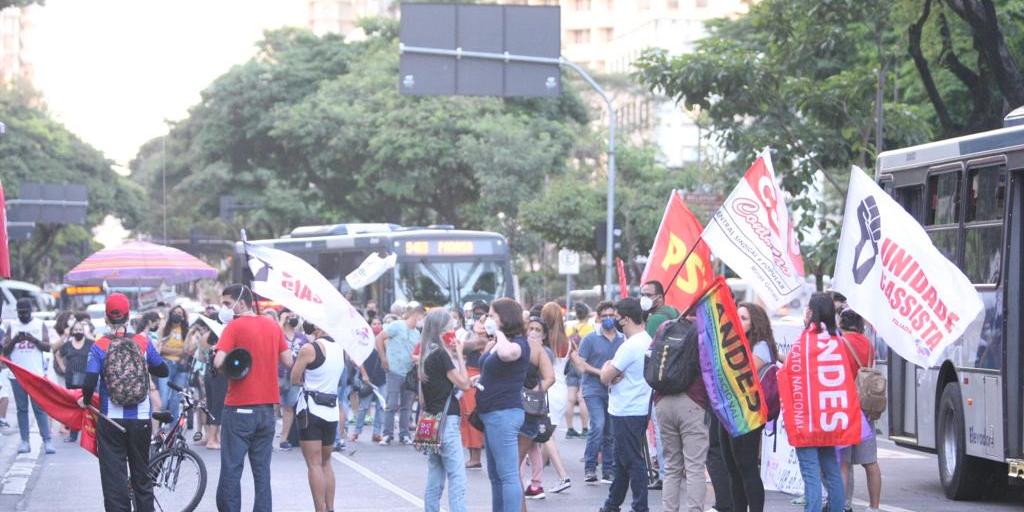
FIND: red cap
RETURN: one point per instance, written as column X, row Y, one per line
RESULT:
column 117, row 308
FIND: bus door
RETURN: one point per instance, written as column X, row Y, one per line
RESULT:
column 1013, row 358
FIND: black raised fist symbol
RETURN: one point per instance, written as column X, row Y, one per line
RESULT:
column 870, row 232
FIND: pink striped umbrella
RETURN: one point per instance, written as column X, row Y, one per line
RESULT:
column 140, row 264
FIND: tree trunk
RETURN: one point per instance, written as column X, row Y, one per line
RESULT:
column 914, row 48
column 981, row 16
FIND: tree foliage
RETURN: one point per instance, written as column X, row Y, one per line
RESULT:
column 808, row 77
column 314, row 130
column 35, row 148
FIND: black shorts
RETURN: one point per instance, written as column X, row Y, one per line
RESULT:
column 315, row 428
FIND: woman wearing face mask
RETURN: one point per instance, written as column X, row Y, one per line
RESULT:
column 72, row 357
column 216, row 384
column 539, row 377
column 815, row 461
column 175, row 351
column 741, row 453
column 499, row 401
column 289, row 394
column 555, row 344
column 442, row 369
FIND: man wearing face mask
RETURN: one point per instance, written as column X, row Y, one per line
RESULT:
column 26, row 341
column 597, row 348
column 652, row 302
column 247, row 425
column 394, row 346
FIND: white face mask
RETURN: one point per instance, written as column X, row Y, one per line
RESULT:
column 225, row 314
column 646, row 303
column 419, row 324
column 490, row 326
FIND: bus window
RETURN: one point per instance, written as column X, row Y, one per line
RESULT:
column 983, row 233
column 944, row 211
column 944, row 207
column 479, row 280
column 912, row 200
column 427, row 283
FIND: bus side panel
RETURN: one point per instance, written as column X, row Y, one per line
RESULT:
column 927, row 380
column 1013, row 355
column 982, row 401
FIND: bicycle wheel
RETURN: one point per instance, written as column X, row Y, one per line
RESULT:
column 179, row 480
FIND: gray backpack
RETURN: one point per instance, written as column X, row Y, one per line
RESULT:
column 871, row 384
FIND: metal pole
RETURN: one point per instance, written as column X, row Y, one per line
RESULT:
column 612, row 121
column 163, row 176
column 568, row 288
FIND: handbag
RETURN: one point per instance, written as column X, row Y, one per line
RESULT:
column 427, row 439
column 535, row 402
column 476, row 421
column 323, row 399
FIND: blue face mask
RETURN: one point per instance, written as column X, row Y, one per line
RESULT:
column 608, row 324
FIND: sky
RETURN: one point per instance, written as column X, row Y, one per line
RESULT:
column 114, row 71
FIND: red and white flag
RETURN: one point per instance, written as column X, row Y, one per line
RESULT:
column 5, row 253
column 290, row 281
column 752, row 233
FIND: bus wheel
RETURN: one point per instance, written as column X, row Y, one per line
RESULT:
column 963, row 477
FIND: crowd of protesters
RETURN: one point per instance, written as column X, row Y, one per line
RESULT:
column 498, row 378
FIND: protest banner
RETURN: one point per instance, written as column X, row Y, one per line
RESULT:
column 752, row 233
column 678, row 259
column 296, row 285
column 892, row 275
column 727, row 364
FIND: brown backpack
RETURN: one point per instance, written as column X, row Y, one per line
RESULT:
column 125, row 372
column 871, row 384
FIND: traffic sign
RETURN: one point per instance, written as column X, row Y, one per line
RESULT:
column 568, row 262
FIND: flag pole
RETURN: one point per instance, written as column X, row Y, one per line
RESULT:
column 112, row 422
column 246, row 273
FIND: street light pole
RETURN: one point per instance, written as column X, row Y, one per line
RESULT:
column 163, row 177
column 612, row 120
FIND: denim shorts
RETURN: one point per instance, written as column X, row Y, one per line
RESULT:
column 289, row 395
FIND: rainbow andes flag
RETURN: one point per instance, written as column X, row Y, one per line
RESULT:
column 727, row 364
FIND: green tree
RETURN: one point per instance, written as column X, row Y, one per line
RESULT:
column 35, row 148
column 314, row 130
column 809, row 78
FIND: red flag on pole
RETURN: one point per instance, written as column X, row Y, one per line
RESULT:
column 5, row 253
column 59, row 403
column 679, row 260
column 623, row 284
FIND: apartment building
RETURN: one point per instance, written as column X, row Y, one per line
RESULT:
column 15, row 49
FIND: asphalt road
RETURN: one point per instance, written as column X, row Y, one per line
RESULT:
column 391, row 478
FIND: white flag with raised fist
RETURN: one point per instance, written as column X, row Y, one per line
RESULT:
column 290, row 281
column 892, row 275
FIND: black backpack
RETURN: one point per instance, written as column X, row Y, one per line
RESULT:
column 674, row 364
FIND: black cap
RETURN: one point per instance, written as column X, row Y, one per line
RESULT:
column 481, row 306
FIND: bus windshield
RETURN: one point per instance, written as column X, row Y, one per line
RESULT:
column 438, row 283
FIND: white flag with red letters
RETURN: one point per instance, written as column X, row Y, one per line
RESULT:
column 290, row 281
column 752, row 233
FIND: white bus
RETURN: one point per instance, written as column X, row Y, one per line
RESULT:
column 437, row 265
column 968, row 193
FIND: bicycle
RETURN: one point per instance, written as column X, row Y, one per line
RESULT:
column 170, row 454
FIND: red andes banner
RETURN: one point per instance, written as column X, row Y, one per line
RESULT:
column 679, row 232
column 59, row 403
column 818, row 391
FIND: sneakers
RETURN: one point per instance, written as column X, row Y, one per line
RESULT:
column 285, row 446
column 376, row 438
column 48, row 447
column 534, row 493
column 406, row 440
column 24, row 447
column 572, row 434
column 585, row 432
column 590, row 477
column 606, row 479
column 562, row 485
column 384, row 441
column 655, row 485
column 4, row 424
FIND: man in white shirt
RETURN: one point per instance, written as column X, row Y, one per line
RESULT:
column 629, row 401
column 25, row 341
